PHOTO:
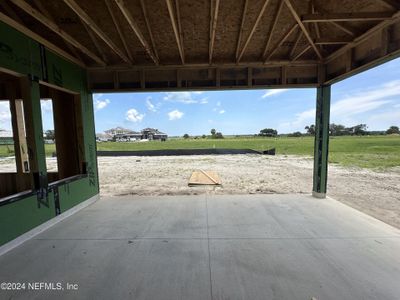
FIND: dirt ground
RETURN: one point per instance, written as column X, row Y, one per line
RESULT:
column 375, row 193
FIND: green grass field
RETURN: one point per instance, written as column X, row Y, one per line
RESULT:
column 366, row 151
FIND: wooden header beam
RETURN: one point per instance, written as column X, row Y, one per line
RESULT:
column 55, row 28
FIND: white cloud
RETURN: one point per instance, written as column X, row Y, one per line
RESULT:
column 273, row 92
column 198, row 92
column 5, row 115
column 181, row 97
column 46, row 106
column 133, row 115
column 219, row 103
column 100, row 103
column 345, row 110
column 222, row 111
column 150, row 106
column 175, row 115
column 204, row 101
column 396, row 105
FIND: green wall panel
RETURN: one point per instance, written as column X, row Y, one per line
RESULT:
column 19, row 53
column 25, row 56
column 19, row 217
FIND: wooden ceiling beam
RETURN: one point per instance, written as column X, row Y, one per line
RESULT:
column 246, row 2
column 136, row 30
column 55, row 28
column 94, row 41
column 276, row 17
column 289, row 4
column 118, row 28
column 296, row 43
column 332, row 41
column 176, row 30
column 213, row 27
column 281, row 41
column 343, row 28
column 44, row 11
column 395, row 4
column 11, row 12
column 93, row 26
column 302, row 53
column 253, row 29
column 146, row 19
column 23, row 29
column 345, row 17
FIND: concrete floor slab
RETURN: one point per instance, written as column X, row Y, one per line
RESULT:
column 211, row 247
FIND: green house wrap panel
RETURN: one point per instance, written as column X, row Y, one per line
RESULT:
column 22, row 55
column 19, row 217
column 19, row 53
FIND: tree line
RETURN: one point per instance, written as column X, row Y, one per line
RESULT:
column 334, row 130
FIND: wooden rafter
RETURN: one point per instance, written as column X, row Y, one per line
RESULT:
column 253, row 29
column 11, row 22
column 136, row 30
column 213, row 27
column 343, row 28
column 281, row 41
column 246, row 2
column 345, row 17
column 316, row 26
column 118, row 27
column 55, row 28
column 94, row 41
column 146, row 19
column 10, row 11
column 395, row 4
column 296, row 43
column 302, row 53
column 276, row 17
column 289, row 4
column 44, row 11
column 176, row 30
column 93, row 26
column 332, row 41
column 178, row 20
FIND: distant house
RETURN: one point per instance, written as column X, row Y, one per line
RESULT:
column 153, row 134
column 131, row 136
column 103, row 137
column 121, row 134
column 6, row 137
column 118, row 130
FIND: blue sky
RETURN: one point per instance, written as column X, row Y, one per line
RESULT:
column 372, row 97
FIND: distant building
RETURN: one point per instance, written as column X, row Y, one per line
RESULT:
column 103, row 137
column 118, row 130
column 122, row 135
column 131, row 136
column 153, row 134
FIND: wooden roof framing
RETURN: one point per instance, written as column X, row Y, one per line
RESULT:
column 162, row 39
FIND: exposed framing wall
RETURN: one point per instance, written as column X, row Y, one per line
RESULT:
column 34, row 65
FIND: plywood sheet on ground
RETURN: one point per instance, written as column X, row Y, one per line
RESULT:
column 204, row 178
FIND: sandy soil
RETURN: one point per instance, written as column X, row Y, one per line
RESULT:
column 375, row 193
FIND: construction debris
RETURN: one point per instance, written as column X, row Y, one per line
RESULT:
column 202, row 177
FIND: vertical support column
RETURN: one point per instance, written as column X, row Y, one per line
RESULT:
column 321, row 143
column 17, row 119
column 33, row 119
